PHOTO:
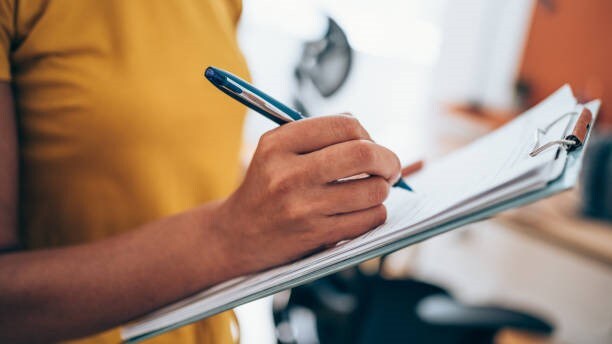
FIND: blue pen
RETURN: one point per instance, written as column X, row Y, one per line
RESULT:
column 257, row 100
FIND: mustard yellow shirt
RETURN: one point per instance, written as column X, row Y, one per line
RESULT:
column 117, row 125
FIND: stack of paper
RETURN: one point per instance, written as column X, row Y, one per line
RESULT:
column 492, row 170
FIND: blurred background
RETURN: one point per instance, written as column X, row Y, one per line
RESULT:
column 426, row 77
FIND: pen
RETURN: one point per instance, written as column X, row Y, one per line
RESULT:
column 257, row 100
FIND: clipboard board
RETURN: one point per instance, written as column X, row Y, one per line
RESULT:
column 574, row 142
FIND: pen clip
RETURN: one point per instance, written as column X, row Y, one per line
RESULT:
column 257, row 101
column 251, row 96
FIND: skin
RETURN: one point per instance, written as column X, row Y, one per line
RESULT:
column 288, row 206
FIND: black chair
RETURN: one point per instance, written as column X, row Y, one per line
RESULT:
column 353, row 308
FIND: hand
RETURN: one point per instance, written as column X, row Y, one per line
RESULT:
column 290, row 203
column 377, row 264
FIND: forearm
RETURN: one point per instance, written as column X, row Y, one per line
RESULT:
column 79, row 290
column 289, row 204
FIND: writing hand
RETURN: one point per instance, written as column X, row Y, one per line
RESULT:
column 290, row 203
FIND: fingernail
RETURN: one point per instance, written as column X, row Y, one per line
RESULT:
column 396, row 178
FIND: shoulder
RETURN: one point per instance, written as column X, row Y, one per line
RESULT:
column 236, row 7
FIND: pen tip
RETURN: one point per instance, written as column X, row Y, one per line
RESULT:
column 402, row 184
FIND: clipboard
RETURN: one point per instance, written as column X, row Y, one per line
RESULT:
column 574, row 142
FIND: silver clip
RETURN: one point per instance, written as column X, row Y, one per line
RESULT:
column 565, row 142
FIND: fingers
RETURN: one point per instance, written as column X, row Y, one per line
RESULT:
column 412, row 168
column 351, row 225
column 350, row 158
column 351, row 196
column 312, row 134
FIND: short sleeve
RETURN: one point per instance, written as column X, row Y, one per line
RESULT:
column 237, row 9
column 6, row 36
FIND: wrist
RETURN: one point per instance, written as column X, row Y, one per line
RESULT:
column 217, row 245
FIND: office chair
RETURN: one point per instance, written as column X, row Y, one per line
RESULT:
column 351, row 307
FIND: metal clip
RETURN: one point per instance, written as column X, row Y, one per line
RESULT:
column 569, row 142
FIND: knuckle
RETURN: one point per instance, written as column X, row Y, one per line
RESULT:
column 297, row 214
column 290, row 204
column 267, row 137
column 280, row 184
column 380, row 215
column 346, row 126
column 363, row 152
column 379, row 190
column 292, row 213
column 289, row 210
column 267, row 142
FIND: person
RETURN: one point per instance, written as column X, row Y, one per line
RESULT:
column 120, row 184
